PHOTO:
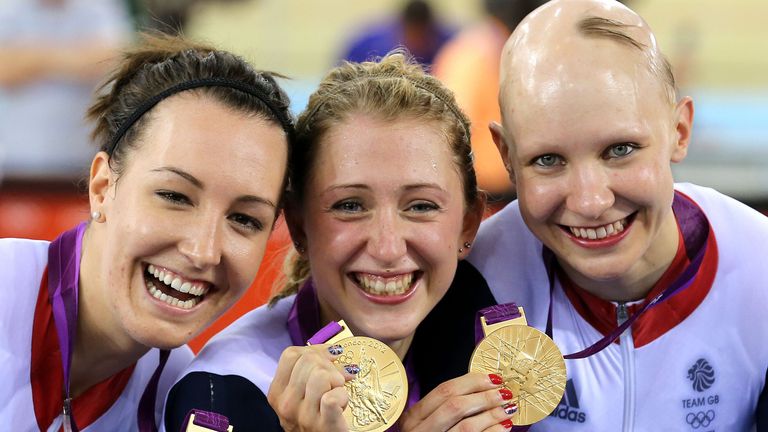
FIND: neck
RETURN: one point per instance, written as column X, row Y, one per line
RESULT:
column 102, row 348
column 642, row 276
column 399, row 346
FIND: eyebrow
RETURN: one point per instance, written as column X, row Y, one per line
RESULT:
column 197, row 183
column 407, row 187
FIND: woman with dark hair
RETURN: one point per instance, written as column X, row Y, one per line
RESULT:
column 183, row 194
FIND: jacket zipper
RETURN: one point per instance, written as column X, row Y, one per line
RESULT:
column 628, row 362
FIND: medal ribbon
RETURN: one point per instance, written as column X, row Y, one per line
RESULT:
column 305, row 316
column 494, row 314
column 695, row 229
column 64, row 276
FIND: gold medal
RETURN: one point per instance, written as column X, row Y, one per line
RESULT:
column 379, row 391
column 529, row 363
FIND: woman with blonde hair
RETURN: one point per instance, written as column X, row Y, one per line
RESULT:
column 383, row 208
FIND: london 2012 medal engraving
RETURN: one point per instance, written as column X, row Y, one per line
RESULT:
column 530, row 365
column 379, row 391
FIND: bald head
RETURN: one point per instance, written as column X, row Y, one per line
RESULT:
column 565, row 41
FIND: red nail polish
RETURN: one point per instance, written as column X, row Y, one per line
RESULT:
column 495, row 379
column 507, row 423
column 505, row 394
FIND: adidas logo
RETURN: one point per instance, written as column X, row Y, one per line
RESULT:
column 568, row 408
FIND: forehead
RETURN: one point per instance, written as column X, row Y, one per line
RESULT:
column 363, row 149
column 201, row 135
column 594, row 87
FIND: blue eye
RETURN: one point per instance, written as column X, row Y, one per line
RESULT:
column 620, row 150
column 348, row 206
column 423, row 207
column 548, row 160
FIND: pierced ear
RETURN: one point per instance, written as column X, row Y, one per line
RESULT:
column 472, row 218
column 683, row 128
column 498, row 134
column 99, row 183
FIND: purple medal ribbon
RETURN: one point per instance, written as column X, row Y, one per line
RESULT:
column 63, row 281
column 304, row 317
column 494, row 314
column 695, row 229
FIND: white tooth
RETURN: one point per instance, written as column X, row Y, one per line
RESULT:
column 157, row 293
column 391, row 286
column 152, row 289
column 609, row 229
column 400, row 285
column 183, row 305
column 619, row 226
column 151, row 269
column 198, row 290
column 583, row 232
column 380, row 286
column 160, row 274
column 574, row 231
column 175, row 301
column 408, row 280
column 163, row 296
column 601, row 233
column 176, row 283
column 167, row 279
column 591, row 233
column 185, row 287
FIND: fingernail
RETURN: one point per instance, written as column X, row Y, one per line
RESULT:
column 510, row 408
column 495, row 379
column 352, row 369
column 507, row 423
column 336, row 349
column 505, row 394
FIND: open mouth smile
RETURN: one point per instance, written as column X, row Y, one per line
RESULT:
column 600, row 234
column 174, row 289
column 386, row 286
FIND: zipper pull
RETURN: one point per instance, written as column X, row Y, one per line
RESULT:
column 621, row 313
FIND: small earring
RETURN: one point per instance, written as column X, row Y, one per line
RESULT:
column 299, row 248
column 95, row 215
column 467, row 245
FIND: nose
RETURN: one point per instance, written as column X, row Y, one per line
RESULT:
column 202, row 243
column 386, row 242
column 590, row 192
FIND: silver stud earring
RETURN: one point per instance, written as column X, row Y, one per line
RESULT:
column 467, row 245
column 95, row 215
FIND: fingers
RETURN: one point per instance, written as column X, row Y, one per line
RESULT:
column 308, row 392
column 473, row 400
column 495, row 419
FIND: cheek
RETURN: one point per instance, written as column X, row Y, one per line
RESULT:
column 647, row 183
column 540, row 198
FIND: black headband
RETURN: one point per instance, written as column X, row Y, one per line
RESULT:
column 284, row 120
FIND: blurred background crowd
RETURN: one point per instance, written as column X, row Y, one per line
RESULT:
column 53, row 54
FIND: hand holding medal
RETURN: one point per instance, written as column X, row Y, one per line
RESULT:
column 528, row 361
column 355, row 383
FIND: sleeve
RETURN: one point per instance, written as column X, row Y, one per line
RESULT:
column 233, row 396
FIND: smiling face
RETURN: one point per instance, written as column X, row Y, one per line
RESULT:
column 383, row 219
column 193, row 207
column 591, row 150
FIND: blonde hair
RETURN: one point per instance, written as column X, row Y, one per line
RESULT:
column 391, row 89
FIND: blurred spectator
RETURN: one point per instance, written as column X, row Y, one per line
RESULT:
column 469, row 65
column 416, row 28
column 53, row 53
